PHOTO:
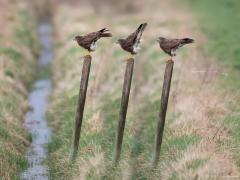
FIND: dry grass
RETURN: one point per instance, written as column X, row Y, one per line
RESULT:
column 195, row 111
column 17, row 50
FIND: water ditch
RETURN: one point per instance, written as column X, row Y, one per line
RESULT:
column 35, row 120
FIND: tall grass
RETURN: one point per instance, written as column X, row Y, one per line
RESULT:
column 219, row 20
column 195, row 122
column 17, row 53
column 185, row 131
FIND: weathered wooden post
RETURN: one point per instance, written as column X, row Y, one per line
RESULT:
column 81, row 103
column 123, row 110
column 163, row 110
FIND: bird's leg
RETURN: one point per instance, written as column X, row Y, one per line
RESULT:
column 131, row 56
column 169, row 59
column 172, row 54
column 88, row 53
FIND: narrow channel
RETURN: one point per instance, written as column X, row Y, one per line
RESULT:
column 35, row 120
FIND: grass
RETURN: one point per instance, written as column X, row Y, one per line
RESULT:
column 219, row 20
column 194, row 164
column 11, row 53
column 25, row 34
column 92, row 142
column 193, row 114
column 17, row 52
column 138, row 145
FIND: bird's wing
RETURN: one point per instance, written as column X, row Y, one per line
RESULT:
column 91, row 37
column 130, row 39
column 171, row 43
column 129, row 42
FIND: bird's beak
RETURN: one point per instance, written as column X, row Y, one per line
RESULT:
column 158, row 40
column 74, row 39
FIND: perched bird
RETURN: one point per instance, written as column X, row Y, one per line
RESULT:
column 132, row 43
column 170, row 46
column 89, row 41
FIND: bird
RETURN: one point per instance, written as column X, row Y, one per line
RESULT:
column 132, row 43
column 89, row 41
column 170, row 46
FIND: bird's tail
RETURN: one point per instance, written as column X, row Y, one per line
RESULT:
column 140, row 30
column 105, row 33
column 187, row 41
column 142, row 27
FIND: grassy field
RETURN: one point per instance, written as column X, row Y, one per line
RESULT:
column 17, row 58
column 201, row 138
column 198, row 139
column 219, row 21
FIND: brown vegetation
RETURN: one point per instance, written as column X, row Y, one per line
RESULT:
column 195, row 104
column 17, row 51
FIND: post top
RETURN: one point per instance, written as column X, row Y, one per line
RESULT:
column 88, row 56
column 130, row 59
column 169, row 61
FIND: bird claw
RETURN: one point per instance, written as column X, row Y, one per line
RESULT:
column 88, row 53
column 131, row 56
column 169, row 60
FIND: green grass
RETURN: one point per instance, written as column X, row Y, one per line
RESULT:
column 11, row 53
column 196, row 163
column 3, row 133
column 26, row 34
column 137, row 147
column 14, row 160
column 138, row 143
column 219, row 20
column 21, row 70
column 61, row 139
column 9, row 73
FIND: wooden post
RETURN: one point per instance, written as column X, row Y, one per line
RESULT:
column 123, row 110
column 163, row 110
column 81, row 103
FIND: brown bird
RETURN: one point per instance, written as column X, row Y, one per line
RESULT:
column 89, row 41
column 132, row 43
column 170, row 46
